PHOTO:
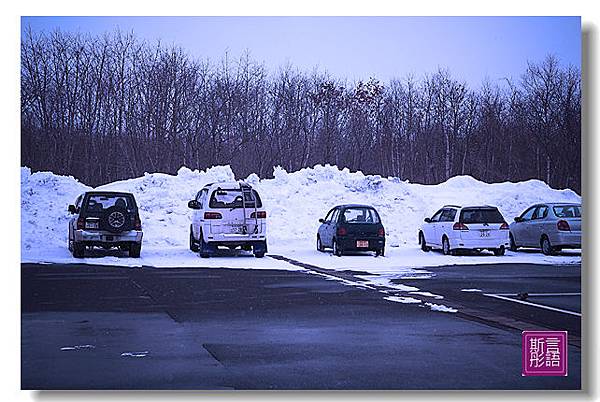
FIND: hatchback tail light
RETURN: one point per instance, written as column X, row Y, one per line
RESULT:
column 504, row 226
column 259, row 215
column 381, row 232
column 212, row 215
column 563, row 225
column 81, row 223
column 342, row 231
column 460, row 226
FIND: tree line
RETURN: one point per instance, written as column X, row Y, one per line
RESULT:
column 111, row 107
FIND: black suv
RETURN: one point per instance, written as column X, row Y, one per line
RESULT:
column 105, row 219
column 351, row 227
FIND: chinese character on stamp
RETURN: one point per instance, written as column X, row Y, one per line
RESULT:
column 544, row 353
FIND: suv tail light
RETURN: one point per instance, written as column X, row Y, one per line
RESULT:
column 137, row 224
column 212, row 215
column 259, row 215
column 342, row 231
column 563, row 225
column 504, row 226
column 81, row 223
column 460, row 226
column 381, row 232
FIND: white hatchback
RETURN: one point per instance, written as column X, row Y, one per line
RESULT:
column 455, row 228
column 229, row 215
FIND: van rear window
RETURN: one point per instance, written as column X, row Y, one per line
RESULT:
column 232, row 198
column 481, row 215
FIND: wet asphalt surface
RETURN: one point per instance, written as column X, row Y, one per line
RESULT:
column 95, row 327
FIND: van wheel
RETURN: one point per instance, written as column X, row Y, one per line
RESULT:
column 78, row 250
column 336, row 250
column 513, row 245
column 135, row 250
column 446, row 246
column 319, row 244
column 424, row 246
column 499, row 251
column 193, row 242
column 547, row 248
column 203, row 254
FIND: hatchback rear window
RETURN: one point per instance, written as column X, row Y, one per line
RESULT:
column 481, row 215
column 232, row 198
column 360, row 215
column 101, row 202
column 567, row 211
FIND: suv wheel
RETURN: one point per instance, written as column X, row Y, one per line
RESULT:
column 319, row 244
column 78, row 250
column 336, row 250
column 193, row 242
column 135, row 249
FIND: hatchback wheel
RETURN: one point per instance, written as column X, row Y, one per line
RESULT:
column 319, row 244
column 424, row 246
column 446, row 246
column 336, row 250
column 547, row 248
column 203, row 253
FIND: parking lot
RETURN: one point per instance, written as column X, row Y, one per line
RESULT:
column 88, row 326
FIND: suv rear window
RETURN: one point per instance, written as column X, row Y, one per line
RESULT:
column 481, row 215
column 232, row 198
column 567, row 211
column 101, row 202
column 360, row 215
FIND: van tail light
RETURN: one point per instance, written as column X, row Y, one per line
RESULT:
column 381, row 232
column 563, row 225
column 504, row 226
column 137, row 224
column 81, row 223
column 259, row 215
column 212, row 215
column 460, row 226
column 342, row 231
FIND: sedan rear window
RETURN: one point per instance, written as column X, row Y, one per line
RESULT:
column 567, row 211
column 232, row 198
column 481, row 215
column 360, row 215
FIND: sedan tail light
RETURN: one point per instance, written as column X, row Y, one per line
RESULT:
column 563, row 225
column 460, row 226
column 504, row 226
column 342, row 231
column 212, row 215
column 259, row 215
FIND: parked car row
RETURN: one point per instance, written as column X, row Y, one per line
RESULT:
column 231, row 215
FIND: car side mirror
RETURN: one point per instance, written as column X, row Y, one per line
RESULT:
column 193, row 204
column 518, row 219
column 427, row 220
column 72, row 209
column 321, row 220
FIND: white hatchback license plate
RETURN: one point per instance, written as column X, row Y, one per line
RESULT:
column 485, row 233
column 91, row 225
column 362, row 243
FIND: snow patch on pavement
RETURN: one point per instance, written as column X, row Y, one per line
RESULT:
column 403, row 300
column 441, row 308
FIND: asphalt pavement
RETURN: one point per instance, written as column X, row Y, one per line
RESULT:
column 95, row 327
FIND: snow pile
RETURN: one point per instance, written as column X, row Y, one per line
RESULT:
column 294, row 202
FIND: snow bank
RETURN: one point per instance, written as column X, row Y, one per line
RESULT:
column 294, row 203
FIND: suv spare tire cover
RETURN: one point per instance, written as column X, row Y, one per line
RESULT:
column 116, row 219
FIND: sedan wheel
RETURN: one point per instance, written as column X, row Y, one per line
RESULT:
column 546, row 246
column 513, row 245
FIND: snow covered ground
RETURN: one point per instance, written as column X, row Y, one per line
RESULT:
column 294, row 203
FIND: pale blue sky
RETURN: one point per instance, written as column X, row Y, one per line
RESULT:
column 472, row 48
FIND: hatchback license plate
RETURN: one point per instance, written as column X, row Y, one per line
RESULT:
column 362, row 243
column 485, row 233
